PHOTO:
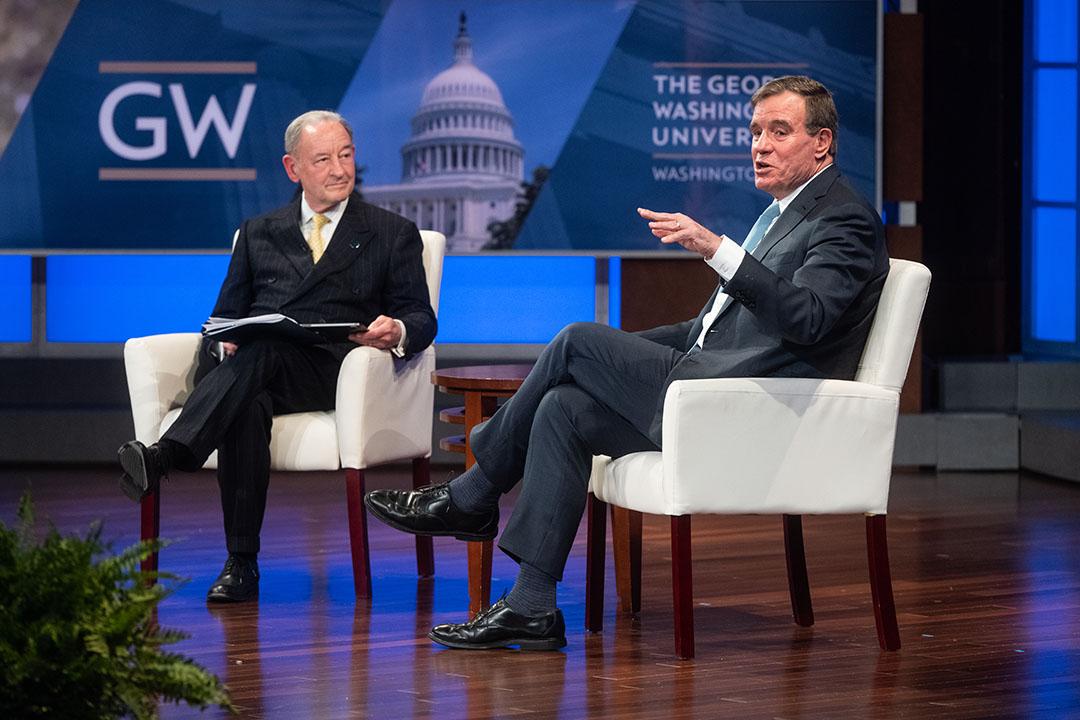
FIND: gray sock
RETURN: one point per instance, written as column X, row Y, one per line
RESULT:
column 533, row 592
column 472, row 492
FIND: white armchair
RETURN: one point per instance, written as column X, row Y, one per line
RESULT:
column 383, row 414
column 791, row 446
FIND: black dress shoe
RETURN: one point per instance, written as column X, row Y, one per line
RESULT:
column 238, row 581
column 143, row 469
column 430, row 511
column 498, row 626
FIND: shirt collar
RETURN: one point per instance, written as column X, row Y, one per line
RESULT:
column 791, row 197
column 334, row 213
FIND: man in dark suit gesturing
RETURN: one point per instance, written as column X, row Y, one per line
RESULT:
column 325, row 257
column 796, row 299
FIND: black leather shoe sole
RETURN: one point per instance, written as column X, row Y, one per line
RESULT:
column 553, row 643
column 138, row 480
column 457, row 534
column 131, row 488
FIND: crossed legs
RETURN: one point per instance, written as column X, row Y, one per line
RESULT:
column 593, row 390
column 231, row 409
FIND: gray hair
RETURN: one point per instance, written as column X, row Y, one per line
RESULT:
column 820, row 107
column 312, row 117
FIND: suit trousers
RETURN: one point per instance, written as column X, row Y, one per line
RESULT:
column 593, row 391
column 231, row 409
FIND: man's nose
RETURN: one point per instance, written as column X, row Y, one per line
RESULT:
column 337, row 166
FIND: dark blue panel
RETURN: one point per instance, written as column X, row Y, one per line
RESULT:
column 65, row 140
column 666, row 126
column 110, row 298
column 1053, row 274
column 1055, row 31
column 1054, row 154
column 16, row 293
column 514, row 299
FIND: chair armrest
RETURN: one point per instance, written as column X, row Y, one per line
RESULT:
column 160, row 374
column 384, row 407
column 791, row 445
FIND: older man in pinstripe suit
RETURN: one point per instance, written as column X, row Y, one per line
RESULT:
column 325, row 257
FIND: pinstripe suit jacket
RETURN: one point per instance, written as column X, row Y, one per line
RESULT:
column 372, row 266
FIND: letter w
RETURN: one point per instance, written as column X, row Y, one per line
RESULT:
column 662, row 111
column 195, row 134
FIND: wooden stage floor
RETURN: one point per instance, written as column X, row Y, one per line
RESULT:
column 986, row 571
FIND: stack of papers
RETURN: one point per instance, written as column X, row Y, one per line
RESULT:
column 278, row 326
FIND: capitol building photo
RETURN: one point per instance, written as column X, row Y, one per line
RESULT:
column 462, row 168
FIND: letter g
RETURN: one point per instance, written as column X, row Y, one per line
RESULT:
column 156, row 125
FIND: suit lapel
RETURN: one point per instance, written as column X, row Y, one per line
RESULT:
column 285, row 234
column 788, row 221
column 349, row 239
column 794, row 213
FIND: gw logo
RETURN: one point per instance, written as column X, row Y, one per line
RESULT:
column 194, row 133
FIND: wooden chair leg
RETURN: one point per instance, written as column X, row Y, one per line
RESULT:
column 877, row 552
column 634, row 561
column 480, row 554
column 358, row 533
column 682, row 582
column 150, row 529
column 798, row 580
column 594, row 564
column 620, row 554
column 425, row 552
column 626, row 555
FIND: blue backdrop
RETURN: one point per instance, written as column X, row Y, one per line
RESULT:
column 158, row 124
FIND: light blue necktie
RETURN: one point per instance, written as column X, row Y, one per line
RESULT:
column 761, row 227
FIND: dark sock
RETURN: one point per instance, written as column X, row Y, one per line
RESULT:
column 472, row 492
column 174, row 455
column 163, row 453
column 533, row 592
column 247, row 556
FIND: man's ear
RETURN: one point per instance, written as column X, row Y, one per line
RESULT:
column 290, row 167
column 822, row 143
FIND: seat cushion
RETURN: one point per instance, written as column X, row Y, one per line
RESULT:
column 299, row 441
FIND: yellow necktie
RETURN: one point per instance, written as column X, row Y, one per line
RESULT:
column 315, row 240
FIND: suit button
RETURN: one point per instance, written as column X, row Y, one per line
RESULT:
column 271, row 279
column 356, row 291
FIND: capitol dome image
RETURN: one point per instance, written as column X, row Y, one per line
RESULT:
column 462, row 167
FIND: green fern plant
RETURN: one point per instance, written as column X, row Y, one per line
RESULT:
column 78, row 636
